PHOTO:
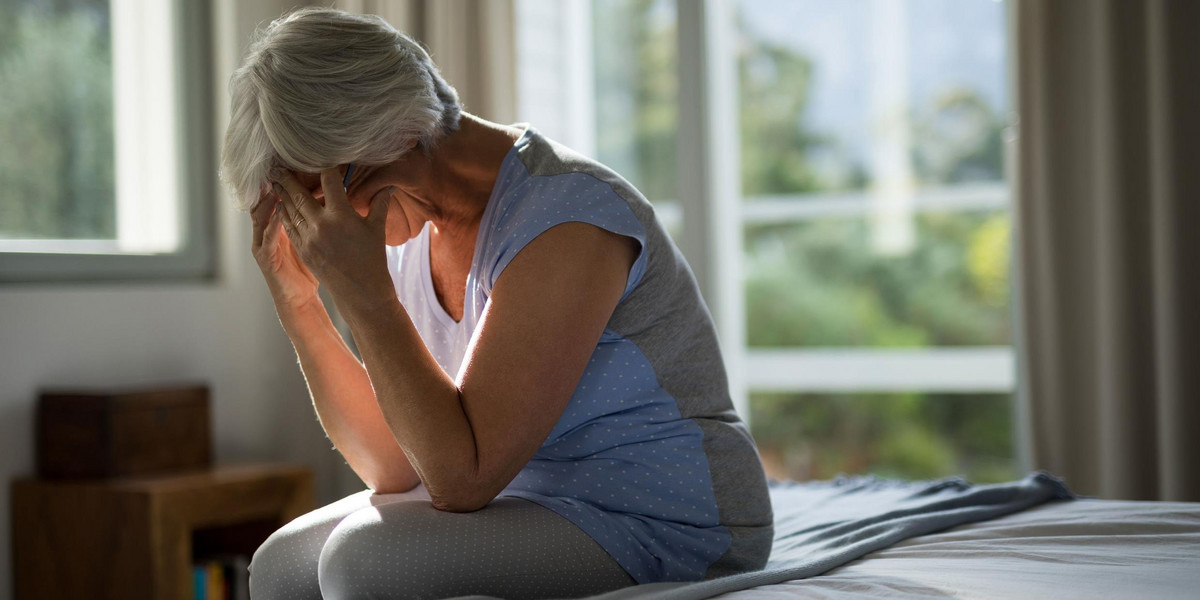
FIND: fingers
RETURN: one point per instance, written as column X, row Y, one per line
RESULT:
column 377, row 214
column 273, row 228
column 261, row 214
column 301, row 204
column 290, row 217
column 335, row 194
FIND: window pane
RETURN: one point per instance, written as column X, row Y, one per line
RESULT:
column 873, row 173
column 910, row 436
column 870, row 94
column 56, row 112
column 818, row 282
column 636, row 58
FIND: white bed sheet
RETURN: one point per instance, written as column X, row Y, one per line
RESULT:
column 1076, row 549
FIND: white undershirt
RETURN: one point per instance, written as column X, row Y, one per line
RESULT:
column 446, row 339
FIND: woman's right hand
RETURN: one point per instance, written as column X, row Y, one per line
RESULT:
column 291, row 283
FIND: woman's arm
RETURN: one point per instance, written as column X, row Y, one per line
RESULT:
column 340, row 389
column 543, row 321
column 345, row 401
column 467, row 440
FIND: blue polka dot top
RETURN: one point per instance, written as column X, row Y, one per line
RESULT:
column 648, row 458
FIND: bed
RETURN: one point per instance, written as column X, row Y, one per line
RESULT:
column 1072, row 549
column 872, row 538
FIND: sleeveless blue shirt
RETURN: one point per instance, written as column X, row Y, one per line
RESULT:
column 648, row 458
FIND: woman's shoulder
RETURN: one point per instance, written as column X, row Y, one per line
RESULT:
column 546, row 184
column 545, row 159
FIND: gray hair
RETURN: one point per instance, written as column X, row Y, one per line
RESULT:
column 322, row 87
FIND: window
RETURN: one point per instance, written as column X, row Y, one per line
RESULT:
column 107, row 169
column 580, row 64
column 854, row 240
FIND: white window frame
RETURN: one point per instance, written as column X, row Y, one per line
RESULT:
column 166, row 172
column 710, row 195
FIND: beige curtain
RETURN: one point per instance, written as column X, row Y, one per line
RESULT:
column 1108, row 208
column 471, row 41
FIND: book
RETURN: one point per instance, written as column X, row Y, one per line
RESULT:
column 223, row 576
column 199, row 582
column 215, row 581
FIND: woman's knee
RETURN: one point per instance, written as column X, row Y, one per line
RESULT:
column 277, row 569
column 368, row 556
column 285, row 565
column 304, row 535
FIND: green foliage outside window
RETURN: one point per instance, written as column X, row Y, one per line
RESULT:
column 637, row 92
column 912, row 436
column 56, row 115
column 818, row 283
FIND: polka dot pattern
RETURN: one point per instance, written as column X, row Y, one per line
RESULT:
column 535, row 204
column 622, row 463
column 366, row 546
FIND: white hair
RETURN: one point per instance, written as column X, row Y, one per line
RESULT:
column 321, row 88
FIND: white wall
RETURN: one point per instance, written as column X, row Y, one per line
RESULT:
column 224, row 333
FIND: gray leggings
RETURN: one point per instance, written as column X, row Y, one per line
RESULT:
column 398, row 546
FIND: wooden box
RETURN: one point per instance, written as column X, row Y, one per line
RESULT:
column 114, row 433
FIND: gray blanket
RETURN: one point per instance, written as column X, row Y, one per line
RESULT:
column 823, row 525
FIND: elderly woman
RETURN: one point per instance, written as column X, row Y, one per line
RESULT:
column 539, row 373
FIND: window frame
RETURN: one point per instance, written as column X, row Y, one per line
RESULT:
column 196, row 184
column 711, row 197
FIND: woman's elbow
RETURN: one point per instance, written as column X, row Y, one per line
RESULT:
column 393, row 486
column 459, row 501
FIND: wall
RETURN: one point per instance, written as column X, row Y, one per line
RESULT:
column 223, row 332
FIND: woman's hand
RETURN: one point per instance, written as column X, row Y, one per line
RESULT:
column 342, row 248
column 290, row 282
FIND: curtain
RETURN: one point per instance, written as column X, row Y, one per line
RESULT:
column 471, row 41
column 1107, row 207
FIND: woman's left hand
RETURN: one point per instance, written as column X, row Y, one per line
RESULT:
column 342, row 248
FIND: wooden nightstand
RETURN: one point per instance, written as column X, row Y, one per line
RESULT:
column 136, row 538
